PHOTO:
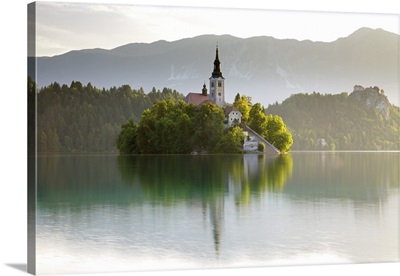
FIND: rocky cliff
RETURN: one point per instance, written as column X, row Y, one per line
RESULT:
column 373, row 97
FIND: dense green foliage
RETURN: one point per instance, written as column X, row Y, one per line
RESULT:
column 232, row 141
column 244, row 104
column 127, row 139
column 339, row 122
column 169, row 127
column 79, row 118
column 166, row 128
column 271, row 127
column 209, row 125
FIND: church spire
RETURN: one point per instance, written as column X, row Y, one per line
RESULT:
column 204, row 90
column 217, row 66
column 217, row 90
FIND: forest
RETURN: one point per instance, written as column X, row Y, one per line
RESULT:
column 86, row 119
column 339, row 121
column 83, row 119
column 80, row 118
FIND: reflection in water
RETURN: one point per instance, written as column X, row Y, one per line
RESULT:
column 217, row 218
column 170, row 179
column 211, row 210
column 166, row 180
column 359, row 176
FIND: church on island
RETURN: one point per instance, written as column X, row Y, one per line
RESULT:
column 217, row 94
column 232, row 114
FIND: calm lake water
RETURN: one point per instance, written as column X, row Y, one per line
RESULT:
column 132, row 213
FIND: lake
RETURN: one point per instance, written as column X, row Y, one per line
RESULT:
column 110, row 213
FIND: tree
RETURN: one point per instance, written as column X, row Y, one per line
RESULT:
column 271, row 128
column 243, row 105
column 237, row 97
column 127, row 138
column 209, row 126
column 53, row 143
column 343, row 120
column 274, row 124
column 77, row 85
column 174, row 130
column 232, row 141
column 167, row 128
column 257, row 119
column 282, row 140
column 146, row 132
column 277, row 133
column 76, row 118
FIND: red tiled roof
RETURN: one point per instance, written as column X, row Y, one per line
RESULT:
column 196, row 98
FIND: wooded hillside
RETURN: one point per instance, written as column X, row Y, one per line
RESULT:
column 356, row 121
column 80, row 118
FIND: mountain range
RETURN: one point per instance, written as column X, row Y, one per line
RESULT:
column 265, row 68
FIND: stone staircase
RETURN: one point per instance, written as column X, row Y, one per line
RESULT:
column 257, row 138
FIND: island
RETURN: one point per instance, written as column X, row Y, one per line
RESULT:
column 204, row 123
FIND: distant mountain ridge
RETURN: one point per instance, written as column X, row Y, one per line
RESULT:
column 265, row 68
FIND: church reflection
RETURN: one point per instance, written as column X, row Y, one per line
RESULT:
column 214, row 210
column 207, row 180
column 250, row 178
column 204, row 193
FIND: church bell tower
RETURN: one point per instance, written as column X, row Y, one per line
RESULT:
column 217, row 86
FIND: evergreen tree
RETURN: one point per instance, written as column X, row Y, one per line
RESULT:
column 237, row 97
column 79, row 118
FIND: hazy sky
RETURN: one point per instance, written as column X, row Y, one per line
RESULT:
column 62, row 27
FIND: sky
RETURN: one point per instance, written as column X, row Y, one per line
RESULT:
column 62, row 27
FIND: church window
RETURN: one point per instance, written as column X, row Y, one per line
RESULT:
column 219, row 94
column 212, row 84
column 220, row 84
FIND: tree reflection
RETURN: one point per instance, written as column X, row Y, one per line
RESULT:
column 205, row 180
column 206, row 185
column 173, row 178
